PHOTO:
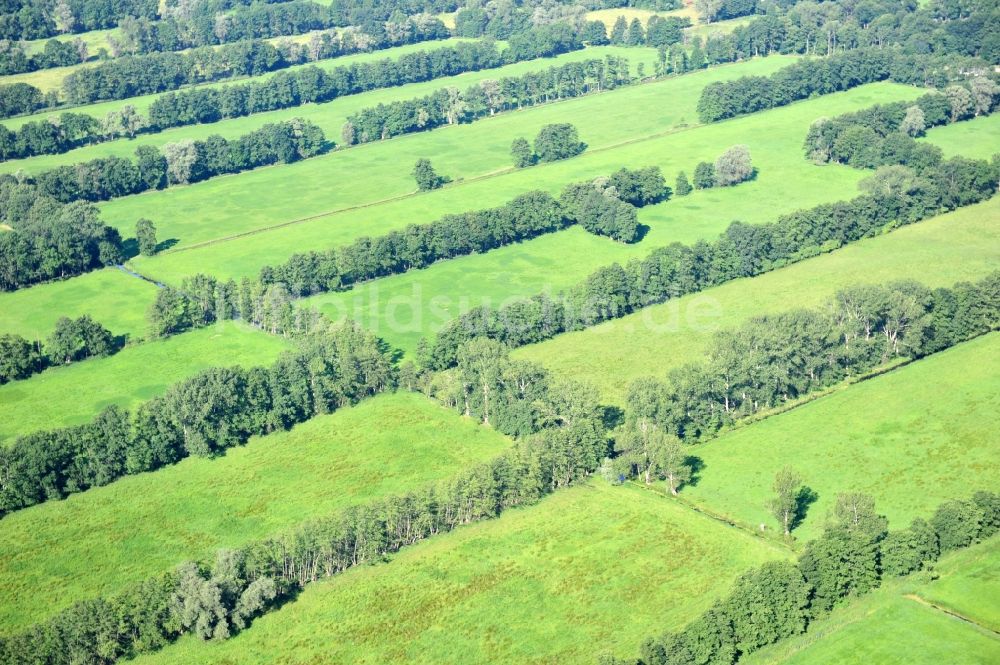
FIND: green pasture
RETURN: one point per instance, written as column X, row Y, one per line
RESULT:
column 274, row 191
column 889, row 626
column 706, row 30
column 978, row 138
column 911, row 438
column 115, row 299
column 102, row 540
column 590, row 568
column 967, row 583
column 404, row 308
column 73, row 394
column 962, row 245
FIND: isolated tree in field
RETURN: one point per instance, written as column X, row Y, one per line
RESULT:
column 913, row 123
column 785, row 502
column 558, row 141
column 145, row 235
column 733, row 166
column 76, row 339
column 522, row 153
column 19, row 358
column 682, row 187
column 962, row 104
column 425, row 175
column 704, row 176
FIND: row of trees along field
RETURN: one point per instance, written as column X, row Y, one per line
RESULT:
column 564, row 441
column 332, row 366
column 71, row 341
column 772, row 360
column 449, row 106
column 284, row 90
column 855, row 554
column 743, row 250
column 144, row 27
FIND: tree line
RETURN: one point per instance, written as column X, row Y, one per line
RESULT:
column 774, row 359
column 883, row 135
column 855, row 555
column 932, row 29
column 50, row 240
column 330, row 367
column 743, row 250
column 561, row 438
column 452, row 106
column 284, row 90
column 36, row 19
column 71, row 341
column 182, row 162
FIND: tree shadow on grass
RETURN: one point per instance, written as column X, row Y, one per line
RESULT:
column 805, row 498
column 697, row 464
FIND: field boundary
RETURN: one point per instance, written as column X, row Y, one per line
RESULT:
column 920, row 600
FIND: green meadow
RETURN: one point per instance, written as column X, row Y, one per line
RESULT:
column 534, row 586
column 73, row 394
column 962, row 245
column 142, row 525
column 776, row 156
column 978, row 138
column 911, row 438
column 352, row 181
column 889, row 626
column 968, row 584
column 404, row 308
column 115, row 299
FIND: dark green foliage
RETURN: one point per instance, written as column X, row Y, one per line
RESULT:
column 903, row 552
column 746, row 250
column 445, row 107
column 597, row 208
column 50, row 241
column 595, row 33
column 183, row 162
column 425, row 175
column 704, row 175
column 145, row 235
column 19, row 358
column 558, row 141
column 780, row 599
column 74, row 340
column 957, row 524
column 682, row 187
column 521, row 152
column 203, row 415
column 562, row 441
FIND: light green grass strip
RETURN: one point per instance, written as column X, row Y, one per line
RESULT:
column 962, row 245
column 73, row 394
column 911, row 438
column 115, row 299
column 589, row 568
column 104, row 539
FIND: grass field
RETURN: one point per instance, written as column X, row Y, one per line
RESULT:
column 535, row 586
column 330, row 116
column 911, row 438
column 405, row 307
column 117, row 300
column 968, row 584
column 963, row 245
column 976, row 139
column 301, row 192
column 142, row 525
column 73, row 394
column 705, row 30
column 888, row 627
column 344, row 180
